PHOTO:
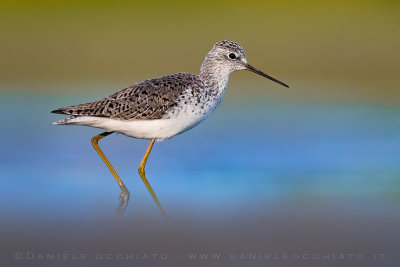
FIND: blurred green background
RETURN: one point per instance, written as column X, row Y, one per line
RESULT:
column 312, row 168
column 352, row 44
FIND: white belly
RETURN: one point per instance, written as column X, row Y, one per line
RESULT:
column 145, row 129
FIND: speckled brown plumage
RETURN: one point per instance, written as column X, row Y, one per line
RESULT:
column 149, row 99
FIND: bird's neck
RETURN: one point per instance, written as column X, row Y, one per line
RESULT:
column 215, row 76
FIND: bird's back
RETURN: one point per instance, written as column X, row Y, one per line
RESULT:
column 147, row 100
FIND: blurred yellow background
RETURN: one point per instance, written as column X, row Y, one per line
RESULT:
column 332, row 50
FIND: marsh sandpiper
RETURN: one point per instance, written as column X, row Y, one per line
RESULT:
column 160, row 108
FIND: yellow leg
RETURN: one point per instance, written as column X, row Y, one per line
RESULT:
column 124, row 196
column 143, row 176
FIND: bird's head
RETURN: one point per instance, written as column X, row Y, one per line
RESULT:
column 228, row 56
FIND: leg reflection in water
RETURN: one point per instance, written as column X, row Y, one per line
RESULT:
column 124, row 196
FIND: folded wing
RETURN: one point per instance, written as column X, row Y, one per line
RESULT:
column 149, row 99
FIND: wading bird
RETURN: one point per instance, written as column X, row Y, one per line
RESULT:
column 160, row 108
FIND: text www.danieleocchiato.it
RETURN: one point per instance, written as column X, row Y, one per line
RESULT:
column 199, row 256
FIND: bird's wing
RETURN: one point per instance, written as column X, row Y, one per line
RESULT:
column 149, row 99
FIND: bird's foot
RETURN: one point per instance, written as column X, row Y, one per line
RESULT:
column 123, row 202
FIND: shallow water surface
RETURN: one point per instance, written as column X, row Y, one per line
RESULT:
column 255, row 177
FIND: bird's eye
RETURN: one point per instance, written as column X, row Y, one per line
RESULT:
column 232, row 56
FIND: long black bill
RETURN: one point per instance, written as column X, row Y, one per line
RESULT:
column 259, row 72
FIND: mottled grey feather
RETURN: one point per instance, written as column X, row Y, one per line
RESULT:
column 149, row 99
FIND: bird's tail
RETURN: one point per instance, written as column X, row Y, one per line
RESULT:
column 75, row 111
column 71, row 110
column 65, row 121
